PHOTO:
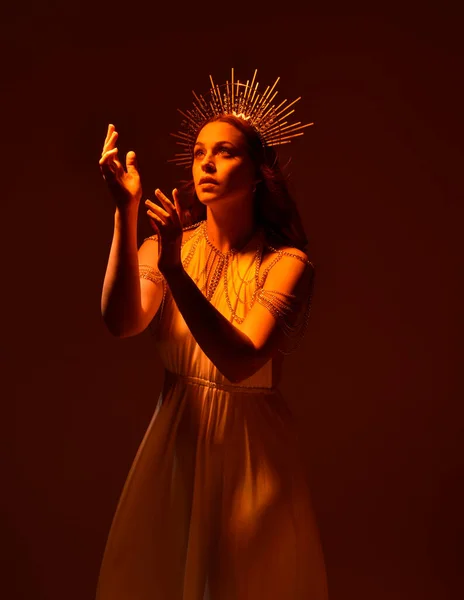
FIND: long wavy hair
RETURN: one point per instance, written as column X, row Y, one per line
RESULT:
column 274, row 207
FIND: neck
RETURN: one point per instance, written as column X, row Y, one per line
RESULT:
column 230, row 227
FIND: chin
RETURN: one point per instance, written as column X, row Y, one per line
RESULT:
column 206, row 196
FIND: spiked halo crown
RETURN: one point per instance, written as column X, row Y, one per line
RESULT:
column 240, row 100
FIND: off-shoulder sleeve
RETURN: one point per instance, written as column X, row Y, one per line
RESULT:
column 153, row 274
column 290, row 310
column 149, row 272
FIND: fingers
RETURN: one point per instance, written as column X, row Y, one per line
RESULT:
column 110, row 140
column 153, row 208
column 110, row 160
column 109, row 131
column 167, row 218
column 107, row 156
column 175, row 195
column 168, row 205
column 110, row 166
column 109, row 145
column 131, row 161
column 155, row 217
column 153, row 223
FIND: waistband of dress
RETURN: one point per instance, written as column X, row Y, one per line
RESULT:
column 192, row 380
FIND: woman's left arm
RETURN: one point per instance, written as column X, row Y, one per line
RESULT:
column 237, row 351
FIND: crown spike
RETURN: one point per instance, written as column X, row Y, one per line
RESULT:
column 187, row 116
column 289, row 113
column 232, row 86
column 251, row 84
column 220, row 98
column 262, row 98
column 182, row 136
column 245, row 101
column 247, row 87
column 288, row 106
column 213, row 87
column 279, row 143
column 269, row 91
column 296, row 126
column 268, row 108
column 287, row 137
column 288, row 129
column 200, row 109
column 178, row 161
column 274, row 127
column 215, row 97
column 227, row 98
column 256, row 99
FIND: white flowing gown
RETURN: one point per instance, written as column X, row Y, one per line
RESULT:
column 216, row 505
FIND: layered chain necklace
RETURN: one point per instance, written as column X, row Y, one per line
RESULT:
column 216, row 263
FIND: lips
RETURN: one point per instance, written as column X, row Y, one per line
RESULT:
column 207, row 180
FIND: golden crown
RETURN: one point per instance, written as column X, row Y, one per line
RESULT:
column 244, row 101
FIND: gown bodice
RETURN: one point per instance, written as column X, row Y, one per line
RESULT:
column 243, row 275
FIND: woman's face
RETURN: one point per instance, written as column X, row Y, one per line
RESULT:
column 221, row 155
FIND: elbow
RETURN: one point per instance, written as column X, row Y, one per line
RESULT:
column 234, row 375
column 121, row 334
column 244, row 370
column 119, row 329
column 121, row 319
column 116, row 331
column 237, row 378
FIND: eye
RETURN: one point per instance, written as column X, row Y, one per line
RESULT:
column 224, row 150
column 198, row 152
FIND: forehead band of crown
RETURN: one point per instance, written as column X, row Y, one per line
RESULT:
column 241, row 100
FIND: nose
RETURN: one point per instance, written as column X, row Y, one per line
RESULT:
column 207, row 164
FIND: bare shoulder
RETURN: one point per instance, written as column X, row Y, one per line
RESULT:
column 273, row 254
column 148, row 252
column 287, row 266
column 294, row 253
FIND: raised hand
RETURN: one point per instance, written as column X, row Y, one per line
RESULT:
column 124, row 184
column 167, row 223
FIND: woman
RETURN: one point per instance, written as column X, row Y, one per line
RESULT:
column 216, row 504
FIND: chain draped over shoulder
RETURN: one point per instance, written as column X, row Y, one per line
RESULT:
column 291, row 311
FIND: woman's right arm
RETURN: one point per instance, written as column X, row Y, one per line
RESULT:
column 128, row 304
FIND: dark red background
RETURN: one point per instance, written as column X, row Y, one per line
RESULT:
column 376, row 386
